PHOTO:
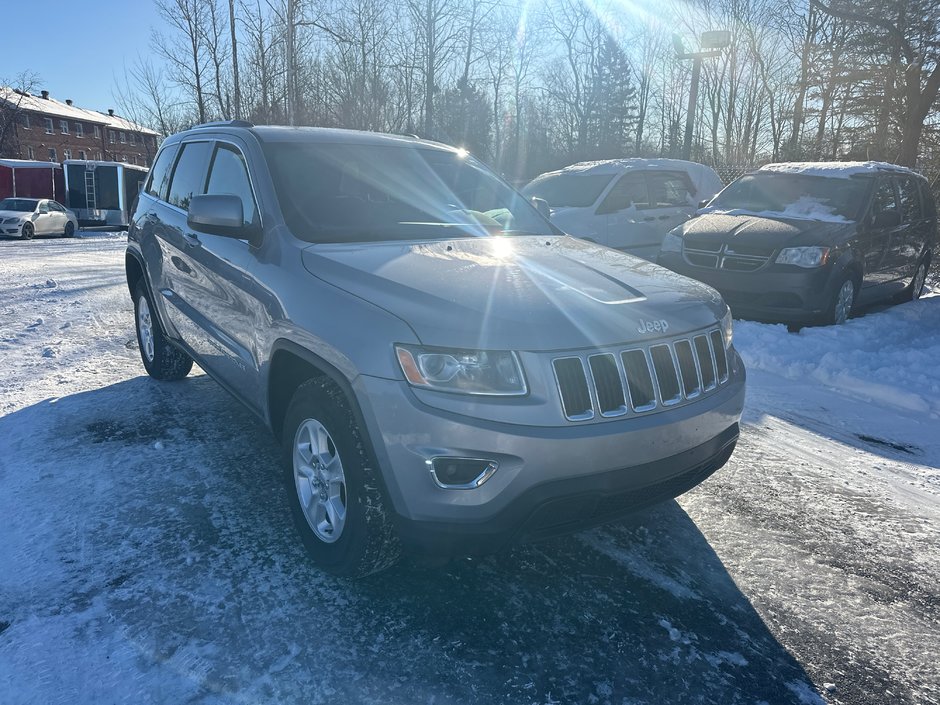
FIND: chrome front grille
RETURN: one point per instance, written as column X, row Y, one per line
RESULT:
column 736, row 258
column 638, row 380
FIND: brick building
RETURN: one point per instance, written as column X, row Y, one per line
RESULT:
column 42, row 128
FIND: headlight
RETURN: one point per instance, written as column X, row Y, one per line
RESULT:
column 462, row 371
column 804, row 256
column 671, row 242
column 727, row 328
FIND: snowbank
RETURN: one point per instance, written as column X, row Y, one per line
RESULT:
column 884, row 358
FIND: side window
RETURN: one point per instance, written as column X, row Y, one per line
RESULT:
column 884, row 200
column 669, row 189
column 56, row 207
column 630, row 190
column 229, row 175
column 910, row 199
column 160, row 173
column 189, row 176
column 927, row 198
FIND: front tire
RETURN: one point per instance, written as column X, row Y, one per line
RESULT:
column 842, row 302
column 161, row 358
column 332, row 484
column 28, row 231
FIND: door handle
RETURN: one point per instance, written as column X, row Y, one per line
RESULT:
column 191, row 240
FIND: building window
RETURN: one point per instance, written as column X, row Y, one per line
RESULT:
column 81, row 154
column 79, row 129
column 24, row 120
column 52, row 155
column 64, row 126
column 66, row 153
column 124, row 158
column 97, row 132
column 111, row 136
column 97, row 156
column 123, row 138
column 30, row 153
column 50, row 130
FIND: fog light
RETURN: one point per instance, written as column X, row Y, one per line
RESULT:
column 461, row 473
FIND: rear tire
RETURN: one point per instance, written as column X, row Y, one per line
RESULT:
column 918, row 281
column 69, row 230
column 161, row 358
column 332, row 484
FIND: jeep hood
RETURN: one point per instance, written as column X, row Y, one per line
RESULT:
column 763, row 230
column 517, row 293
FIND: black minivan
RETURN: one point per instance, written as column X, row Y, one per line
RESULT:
column 804, row 243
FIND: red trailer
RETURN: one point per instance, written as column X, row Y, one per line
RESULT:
column 28, row 179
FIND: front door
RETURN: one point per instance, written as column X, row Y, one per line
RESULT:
column 44, row 220
column 623, row 208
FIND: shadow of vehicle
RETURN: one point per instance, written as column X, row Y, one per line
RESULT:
column 150, row 557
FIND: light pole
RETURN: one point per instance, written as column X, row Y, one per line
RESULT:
column 711, row 43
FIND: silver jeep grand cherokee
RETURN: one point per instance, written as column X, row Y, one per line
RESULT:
column 448, row 373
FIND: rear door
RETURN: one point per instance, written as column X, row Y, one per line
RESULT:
column 909, row 242
column 59, row 217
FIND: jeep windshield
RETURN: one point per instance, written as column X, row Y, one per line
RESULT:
column 570, row 190
column 799, row 196
column 370, row 193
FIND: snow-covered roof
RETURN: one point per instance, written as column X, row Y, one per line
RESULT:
column 56, row 108
column 98, row 162
column 27, row 164
column 839, row 170
column 704, row 179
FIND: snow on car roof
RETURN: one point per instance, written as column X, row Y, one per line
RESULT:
column 704, row 179
column 839, row 170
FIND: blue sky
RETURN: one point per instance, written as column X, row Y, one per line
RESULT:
column 79, row 48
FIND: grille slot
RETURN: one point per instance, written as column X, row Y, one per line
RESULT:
column 735, row 258
column 666, row 374
column 573, row 387
column 639, row 380
column 721, row 360
column 607, row 385
column 691, row 384
column 706, row 362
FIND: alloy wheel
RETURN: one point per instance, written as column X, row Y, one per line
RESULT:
column 319, row 480
column 145, row 328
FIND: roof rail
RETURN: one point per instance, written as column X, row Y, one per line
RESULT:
column 223, row 123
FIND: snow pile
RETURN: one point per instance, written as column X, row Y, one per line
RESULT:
column 839, row 170
column 884, row 358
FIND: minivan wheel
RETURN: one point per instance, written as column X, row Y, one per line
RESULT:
column 841, row 307
column 917, row 283
column 161, row 359
column 332, row 485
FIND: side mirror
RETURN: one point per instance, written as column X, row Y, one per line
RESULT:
column 887, row 219
column 220, row 214
column 541, row 205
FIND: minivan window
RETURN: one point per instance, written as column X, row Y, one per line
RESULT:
column 160, row 173
column 629, row 191
column 361, row 193
column 794, row 195
column 884, row 200
column 569, row 190
column 668, row 189
column 910, row 199
column 229, row 175
column 189, row 176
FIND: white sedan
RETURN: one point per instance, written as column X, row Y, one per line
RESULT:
column 25, row 217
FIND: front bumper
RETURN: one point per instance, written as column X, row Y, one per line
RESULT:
column 775, row 295
column 550, row 479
